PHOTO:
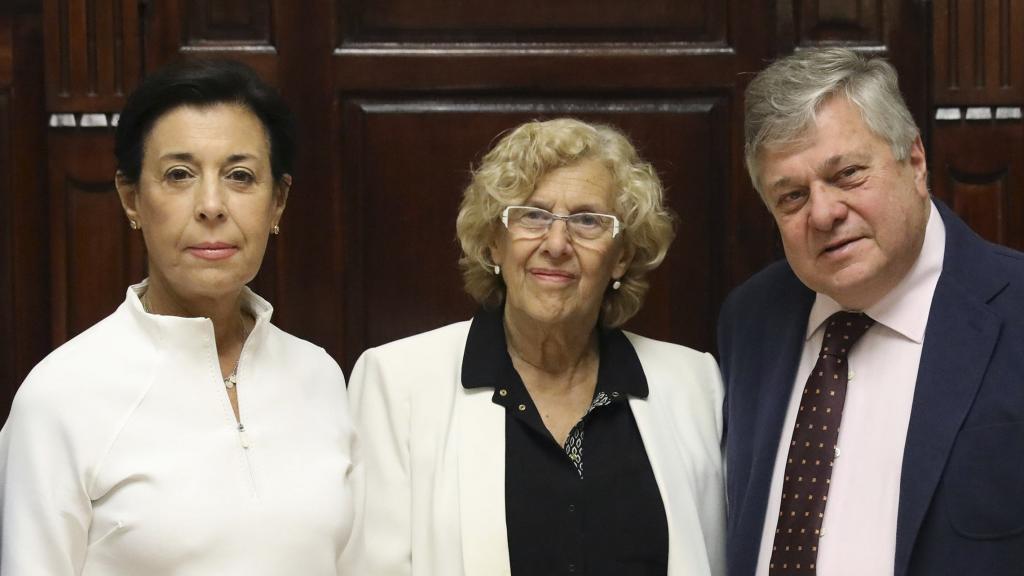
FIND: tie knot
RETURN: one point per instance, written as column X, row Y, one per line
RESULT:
column 842, row 330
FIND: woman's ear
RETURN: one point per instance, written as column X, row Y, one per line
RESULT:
column 281, row 190
column 496, row 250
column 624, row 261
column 128, row 192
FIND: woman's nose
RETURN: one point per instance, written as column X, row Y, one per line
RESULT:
column 557, row 240
column 210, row 200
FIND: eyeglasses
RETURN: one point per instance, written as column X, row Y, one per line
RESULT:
column 533, row 222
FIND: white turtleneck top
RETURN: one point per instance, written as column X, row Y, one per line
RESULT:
column 122, row 456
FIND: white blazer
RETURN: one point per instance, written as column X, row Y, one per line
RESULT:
column 430, row 481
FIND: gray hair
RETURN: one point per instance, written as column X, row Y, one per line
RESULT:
column 782, row 101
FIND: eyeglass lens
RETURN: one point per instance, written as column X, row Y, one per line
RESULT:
column 536, row 222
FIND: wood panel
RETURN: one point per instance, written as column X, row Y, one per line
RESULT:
column 92, row 54
column 978, row 48
column 307, row 256
column 241, row 29
column 833, row 21
column 530, row 21
column 229, row 22
column 591, row 45
column 978, row 169
column 95, row 255
column 24, row 256
column 7, row 332
column 983, row 201
column 6, row 50
column 408, row 161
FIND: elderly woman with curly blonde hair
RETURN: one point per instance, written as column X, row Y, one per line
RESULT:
column 539, row 438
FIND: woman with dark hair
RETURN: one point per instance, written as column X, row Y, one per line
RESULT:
column 184, row 433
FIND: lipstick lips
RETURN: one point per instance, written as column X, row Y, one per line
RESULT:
column 213, row 250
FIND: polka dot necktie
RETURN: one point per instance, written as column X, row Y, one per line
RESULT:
column 813, row 448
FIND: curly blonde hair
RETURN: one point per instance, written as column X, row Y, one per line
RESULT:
column 508, row 175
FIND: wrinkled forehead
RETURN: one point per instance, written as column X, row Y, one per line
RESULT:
column 584, row 183
column 832, row 134
column 771, row 155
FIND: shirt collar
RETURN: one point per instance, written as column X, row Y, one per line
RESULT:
column 905, row 308
column 191, row 330
column 487, row 364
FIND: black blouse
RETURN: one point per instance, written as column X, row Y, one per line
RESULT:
column 592, row 506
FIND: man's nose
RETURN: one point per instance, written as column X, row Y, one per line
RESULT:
column 828, row 205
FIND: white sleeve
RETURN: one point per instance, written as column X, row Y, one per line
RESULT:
column 45, row 510
column 381, row 542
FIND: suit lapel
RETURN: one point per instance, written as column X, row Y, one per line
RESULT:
column 482, row 484
column 961, row 335
column 774, row 373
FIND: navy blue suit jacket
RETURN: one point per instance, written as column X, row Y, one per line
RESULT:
column 961, row 502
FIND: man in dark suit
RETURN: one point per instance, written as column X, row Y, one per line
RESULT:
column 875, row 379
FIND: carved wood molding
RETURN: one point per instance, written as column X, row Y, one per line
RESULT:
column 92, row 55
column 978, row 113
column 498, row 23
column 982, row 200
column 975, row 167
column 235, row 23
column 6, row 51
column 851, row 22
column 978, row 48
column 83, row 120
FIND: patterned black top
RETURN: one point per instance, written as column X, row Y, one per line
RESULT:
column 598, row 515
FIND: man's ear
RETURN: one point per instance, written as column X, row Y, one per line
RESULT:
column 919, row 164
column 128, row 192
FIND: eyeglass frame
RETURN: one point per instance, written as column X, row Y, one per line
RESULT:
column 616, row 223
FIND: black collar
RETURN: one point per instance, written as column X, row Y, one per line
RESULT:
column 486, row 363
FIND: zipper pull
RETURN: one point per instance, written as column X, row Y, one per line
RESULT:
column 243, row 437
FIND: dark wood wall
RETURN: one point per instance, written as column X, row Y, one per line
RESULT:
column 977, row 90
column 395, row 99
column 25, row 316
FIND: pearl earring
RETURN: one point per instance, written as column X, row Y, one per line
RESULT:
column 133, row 224
column 616, row 285
column 497, row 270
column 275, row 230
